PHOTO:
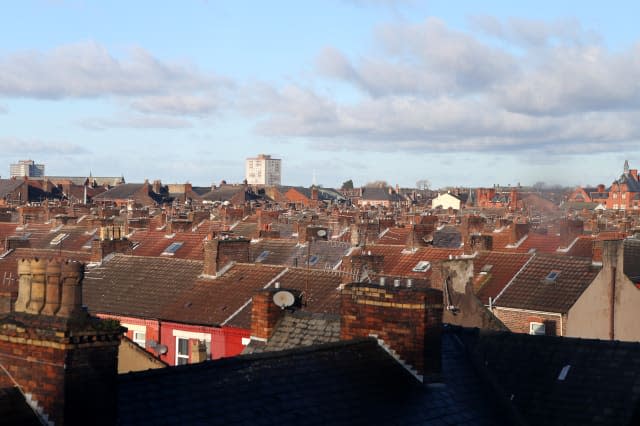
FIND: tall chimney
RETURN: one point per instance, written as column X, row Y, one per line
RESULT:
column 408, row 320
column 66, row 366
column 220, row 252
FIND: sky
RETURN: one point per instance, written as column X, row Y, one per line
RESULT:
column 461, row 93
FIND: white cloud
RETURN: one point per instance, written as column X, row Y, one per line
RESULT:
column 88, row 70
column 25, row 147
column 548, row 87
column 135, row 122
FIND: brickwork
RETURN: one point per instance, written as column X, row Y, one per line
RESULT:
column 102, row 248
column 219, row 252
column 409, row 320
column 419, row 235
column 570, row 229
column 355, row 265
column 518, row 321
column 265, row 314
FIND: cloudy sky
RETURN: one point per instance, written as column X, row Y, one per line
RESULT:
column 472, row 94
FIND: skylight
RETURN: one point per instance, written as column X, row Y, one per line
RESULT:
column 262, row 256
column 58, row 239
column 422, row 266
column 552, row 276
column 313, row 260
column 486, row 269
column 173, row 247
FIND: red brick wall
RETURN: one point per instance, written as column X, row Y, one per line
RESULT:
column 71, row 376
column 264, row 314
column 518, row 321
column 409, row 320
column 218, row 253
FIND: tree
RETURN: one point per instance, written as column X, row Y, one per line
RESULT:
column 377, row 184
column 347, row 184
column 423, row 184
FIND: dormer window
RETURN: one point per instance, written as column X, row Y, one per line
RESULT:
column 172, row 249
column 422, row 266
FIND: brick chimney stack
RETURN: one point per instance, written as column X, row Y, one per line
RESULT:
column 63, row 360
column 407, row 319
column 265, row 314
column 570, row 229
column 220, row 252
column 356, row 265
column 111, row 240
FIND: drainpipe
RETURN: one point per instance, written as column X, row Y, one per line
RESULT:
column 612, row 303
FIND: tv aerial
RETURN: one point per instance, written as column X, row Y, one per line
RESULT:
column 284, row 299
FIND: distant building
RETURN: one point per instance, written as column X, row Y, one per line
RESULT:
column 263, row 170
column 26, row 168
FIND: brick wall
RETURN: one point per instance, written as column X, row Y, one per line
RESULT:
column 355, row 265
column 265, row 314
column 518, row 321
column 101, row 248
column 409, row 320
column 218, row 253
column 71, row 374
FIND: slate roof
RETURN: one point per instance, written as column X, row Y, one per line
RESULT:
column 274, row 251
column 530, row 290
column 632, row 259
column 343, row 383
column 601, row 387
column 447, row 237
column 379, row 194
column 299, row 328
column 120, row 192
column 633, row 185
column 14, row 410
column 7, row 186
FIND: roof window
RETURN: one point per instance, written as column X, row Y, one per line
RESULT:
column 58, row 239
column 262, row 256
column 552, row 276
column 486, row 269
column 313, row 260
column 422, row 266
column 172, row 249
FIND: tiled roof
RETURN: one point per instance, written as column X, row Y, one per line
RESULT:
column 324, row 254
column 503, row 267
column 138, row 286
column 154, row 243
column 583, row 247
column 380, row 194
column 344, row 383
column 400, row 262
column 245, row 229
column 300, row 329
column 319, row 288
column 213, row 301
column 121, row 192
column 531, row 290
column 548, row 243
column 394, row 236
column 600, row 384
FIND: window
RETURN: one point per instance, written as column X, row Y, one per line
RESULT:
column 173, row 247
column 58, row 239
column 537, row 329
column 262, row 256
column 139, row 337
column 313, row 260
column 422, row 266
column 182, row 351
column 486, row 269
column 552, row 276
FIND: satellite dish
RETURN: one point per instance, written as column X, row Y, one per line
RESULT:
column 161, row 349
column 284, row 299
column 321, row 233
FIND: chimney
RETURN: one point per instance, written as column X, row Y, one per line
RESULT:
column 408, row 320
column 518, row 230
column 265, row 314
column 111, row 241
column 220, row 252
column 419, row 235
column 63, row 360
column 356, row 265
column 570, row 229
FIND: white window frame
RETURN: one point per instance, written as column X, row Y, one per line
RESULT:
column 536, row 327
column 178, row 354
column 140, row 338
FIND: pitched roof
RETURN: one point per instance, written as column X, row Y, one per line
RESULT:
column 138, row 286
column 559, row 380
column 154, row 243
column 7, row 186
column 300, row 328
column 531, row 290
column 343, row 383
column 400, row 262
column 493, row 271
column 380, row 194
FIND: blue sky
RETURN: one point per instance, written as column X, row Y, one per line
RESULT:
column 458, row 92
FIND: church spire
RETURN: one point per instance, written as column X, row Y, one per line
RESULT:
column 626, row 167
